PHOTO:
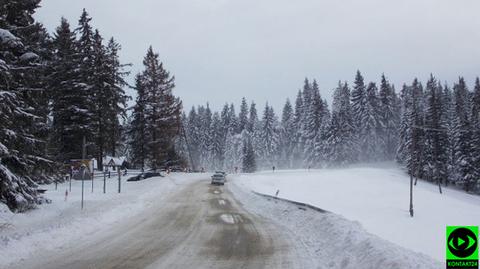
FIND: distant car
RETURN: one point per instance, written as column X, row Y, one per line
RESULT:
column 222, row 173
column 218, row 179
column 145, row 175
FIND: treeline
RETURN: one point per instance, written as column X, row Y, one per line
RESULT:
column 432, row 130
column 57, row 91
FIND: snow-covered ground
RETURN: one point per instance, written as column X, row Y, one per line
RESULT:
column 378, row 198
column 54, row 226
column 327, row 240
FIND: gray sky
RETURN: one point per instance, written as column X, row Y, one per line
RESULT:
column 222, row 50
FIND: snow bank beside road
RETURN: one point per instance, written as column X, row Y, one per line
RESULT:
column 331, row 240
column 62, row 223
column 378, row 199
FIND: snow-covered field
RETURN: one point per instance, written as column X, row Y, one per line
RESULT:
column 54, row 225
column 378, row 198
column 327, row 240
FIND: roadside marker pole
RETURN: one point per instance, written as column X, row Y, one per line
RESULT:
column 411, row 196
column 83, row 184
column 84, row 167
column 104, row 182
column 119, row 180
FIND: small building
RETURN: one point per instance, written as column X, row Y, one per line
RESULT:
column 114, row 163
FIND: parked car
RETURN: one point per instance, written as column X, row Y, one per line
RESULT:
column 218, row 179
column 145, row 175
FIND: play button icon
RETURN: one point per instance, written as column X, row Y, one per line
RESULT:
column 462, row 242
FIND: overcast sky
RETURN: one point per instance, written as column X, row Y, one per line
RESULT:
column 222, row 50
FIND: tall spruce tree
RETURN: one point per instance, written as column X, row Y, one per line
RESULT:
column 248, row 160
column 69, row 103
column 243, row 116
column 138, row 126
column 341, row 146
column 21, row 147
column 464, row 164
column 475, row 119
column 435, row 133
column 287, row 136
column 388, row 118
column 162, row 111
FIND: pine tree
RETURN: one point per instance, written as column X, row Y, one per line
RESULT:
column 99, row 97
column 370, row 141
column 217, row 146
column 359, row 110
column 388, row 118
column 162, row 111
column 137, row 129
column 313, row 123
column 475, row 119
column 68, row 104
column 269, row 137
column 287, row 136
column 411, row 149
column 243, row 116
column 252, row 118
column 298, row 152
column 340, row 144
column 85, row 106
column 359, row 99
column 435, row 134
column 248, row 160
column 21, row 148
column 463, row 151
column 117, row 98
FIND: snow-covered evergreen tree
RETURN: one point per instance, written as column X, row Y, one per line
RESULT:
column 340, row 144
column 248, row 159
column 389, row 119
column 287, row 136
column 21, row 147
column 463, row 151
column 243, row 116
column 475, row 119
column 162, row 111
column 411, row 147
column 370, row 141
column 435, row 156
column 137, row 128
column 68, row 104
column 269, row 138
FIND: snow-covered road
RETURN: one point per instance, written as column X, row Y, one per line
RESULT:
column 181, row 221
column 198, row 226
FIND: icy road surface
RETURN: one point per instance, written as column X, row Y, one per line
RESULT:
column 200, row 226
